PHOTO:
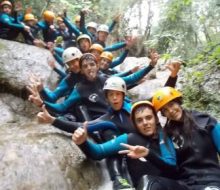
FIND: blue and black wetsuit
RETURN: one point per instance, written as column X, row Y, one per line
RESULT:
column 197, row 154
column 49, row 35
column 161, row 160
column 92, row 94
column 10, row 27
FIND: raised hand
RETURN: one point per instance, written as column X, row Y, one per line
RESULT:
column 36, row 81
column 35, row 96
column 174, row 67
column 80, row 135
column 130, row 41
column 134, row 151
column 44, row 116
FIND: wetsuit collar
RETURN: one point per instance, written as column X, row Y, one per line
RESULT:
column 126, row 107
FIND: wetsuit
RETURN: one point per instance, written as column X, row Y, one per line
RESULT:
column 69, row 39
column 92, row 94
column 49, row 35
column 10, row 28
column 197, row 155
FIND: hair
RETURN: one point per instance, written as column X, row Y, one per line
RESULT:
column 87, row 56
column 172, row 128
column 141, row 108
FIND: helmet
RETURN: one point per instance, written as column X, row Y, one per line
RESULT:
column 59, row 19
column 6, row 3
column 77, row 18
column 28, row 17
column 91, row 25
column 103, row 28
column 96, row 47
column 70, row 54
column 137, row 105
column 108, row 55
column 164, row 96
column 84, row 36
column 48, row 16
column 115, row 83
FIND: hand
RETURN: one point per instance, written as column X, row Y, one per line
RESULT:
column 36, row 81
column 35, row 96
column 51, row 63
column 117, row 17
column 44, row 116
column 174, row 67
column 134, row 151
column 27, row 28
column 80, row 135
column 130, row 41
column 28, row 10
column 86, row 10
column 50, row 46
column 39, row 43
column 18, row 6
column 52, row 27
column 154, row 59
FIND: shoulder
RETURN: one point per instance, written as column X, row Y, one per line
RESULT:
column 137, row 139
column 203, row 120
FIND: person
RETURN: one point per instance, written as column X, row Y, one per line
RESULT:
column 84, row 42
column 96, row 50
column 117, row 119
column 196, row 138
column 47, row 26
column 10, row 27
column 156, row 155
column 89, row 90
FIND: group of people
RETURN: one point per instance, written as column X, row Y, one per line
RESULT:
column 91, row 102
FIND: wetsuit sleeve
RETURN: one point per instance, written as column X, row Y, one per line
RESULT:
column 61, row 73
column 123, row 74
column 5, row 19
column 67, row 103
column 95, row 125
column 58, row 58
column 59, row 51
column 135, row 77
column 52, row 96
column 216, row 136
column 171, row 81
column 111, row 26
column 119, row 60
column 42, row 25
column 115, row 46
column 100, row 151
column 71, row 27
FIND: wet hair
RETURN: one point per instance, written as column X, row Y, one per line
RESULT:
column 87, row 56
column 140, row 109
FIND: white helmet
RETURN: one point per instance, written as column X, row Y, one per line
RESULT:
column 115, row 83
column 91, row 25
column 70, row 54
column 103, row 28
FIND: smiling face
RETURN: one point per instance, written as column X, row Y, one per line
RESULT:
column 73, row 66
column 6, row 9
column 172, row 111
column 104, row 63
column 84, row 45
column 115, row 99
column 89, row 69
column 102, row 36
column 145, row 121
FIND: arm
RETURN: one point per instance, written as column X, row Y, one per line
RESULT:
column 135, row 77
column 123, row 74
column 5, row 19
column 112, row 25
column 61, row 73
column 119, row 60
column 100, row 151
column 58, row 58
column 216, row 136
column 59, row 51
column 72, row 28
column 63, row 106
column 115, row 46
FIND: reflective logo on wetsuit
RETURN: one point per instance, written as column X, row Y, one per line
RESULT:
column 178, row 142
column 212, row 188
column 93, row 97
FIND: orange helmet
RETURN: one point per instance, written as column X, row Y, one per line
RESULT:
column 163, row 96
column 28, row 17
column 96, row 47
column 48, row 16
column 108, row 55
column 6, row 3
column 59, row 19
column 137, row 105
